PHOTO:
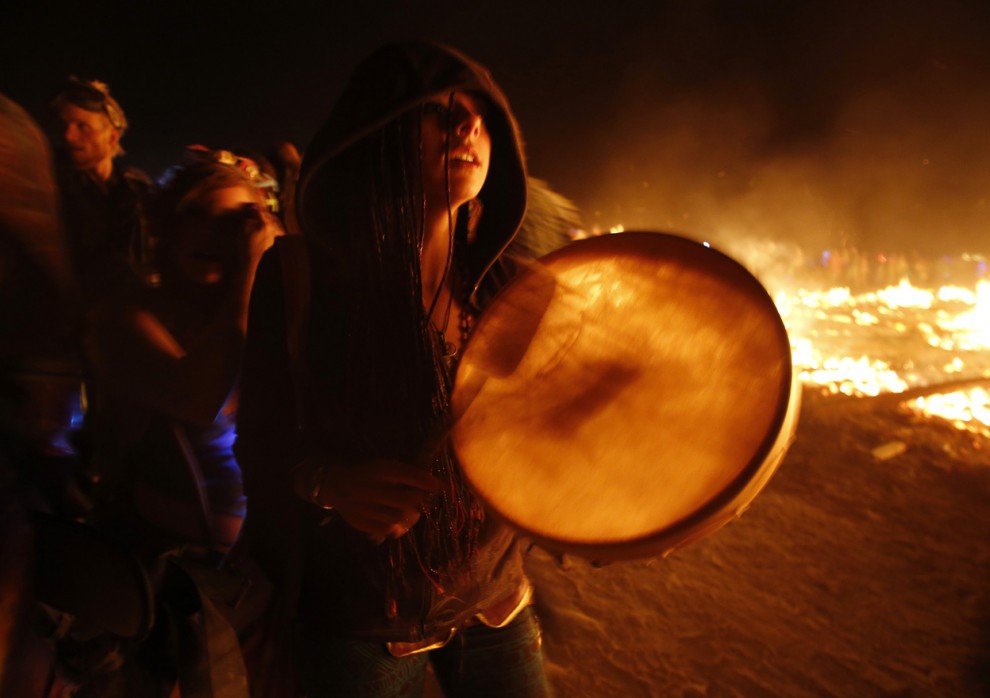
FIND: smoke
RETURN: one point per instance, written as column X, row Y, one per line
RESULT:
column 819, row 124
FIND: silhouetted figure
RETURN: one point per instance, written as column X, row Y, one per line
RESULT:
column 39, row 383
column 166, row 360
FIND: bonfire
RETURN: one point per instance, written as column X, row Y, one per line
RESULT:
column 928, row 345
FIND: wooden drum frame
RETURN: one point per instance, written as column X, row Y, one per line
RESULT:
column 624, row 396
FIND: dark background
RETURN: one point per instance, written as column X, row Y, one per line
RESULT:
column 811, row 122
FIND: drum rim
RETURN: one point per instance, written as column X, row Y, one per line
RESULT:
column 728, row 502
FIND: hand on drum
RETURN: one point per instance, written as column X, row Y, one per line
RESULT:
column 382, row 498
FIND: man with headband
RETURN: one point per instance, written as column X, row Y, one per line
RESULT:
column 103, row 202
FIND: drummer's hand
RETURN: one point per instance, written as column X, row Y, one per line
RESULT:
column 382, row 498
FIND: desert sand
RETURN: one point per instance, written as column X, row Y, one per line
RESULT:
column 855, row 572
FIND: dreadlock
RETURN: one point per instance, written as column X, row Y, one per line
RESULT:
column 396, row 386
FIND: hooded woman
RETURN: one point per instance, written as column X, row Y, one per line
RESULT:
column 408, row 196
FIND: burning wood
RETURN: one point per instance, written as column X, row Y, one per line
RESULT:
column 901, row 342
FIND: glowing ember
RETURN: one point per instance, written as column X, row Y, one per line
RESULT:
column 970, row 330
column 966, row 410
column 904, row 295
column 889, row 340
column 855, row 376
column 892, row 340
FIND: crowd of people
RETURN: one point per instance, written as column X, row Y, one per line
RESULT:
column 236, row 374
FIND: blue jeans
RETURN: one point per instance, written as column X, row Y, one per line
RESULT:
column 479, row 662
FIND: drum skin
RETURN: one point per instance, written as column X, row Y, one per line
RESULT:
column 624, row 396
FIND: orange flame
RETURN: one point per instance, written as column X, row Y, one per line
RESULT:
column 934, row 335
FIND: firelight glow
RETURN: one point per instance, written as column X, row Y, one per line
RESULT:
column 909, row 338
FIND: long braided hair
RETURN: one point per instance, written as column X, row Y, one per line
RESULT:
column 396, row 384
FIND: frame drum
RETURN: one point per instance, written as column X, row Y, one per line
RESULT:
column 624, row 396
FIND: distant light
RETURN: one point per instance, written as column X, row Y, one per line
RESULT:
column 706, row 244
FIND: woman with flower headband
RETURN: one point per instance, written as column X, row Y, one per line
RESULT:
column 408, row 196
column 166, row 360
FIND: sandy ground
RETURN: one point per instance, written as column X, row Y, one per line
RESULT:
column 850, row 575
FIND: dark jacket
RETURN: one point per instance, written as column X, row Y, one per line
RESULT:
column 288, row 404
column 107, row 228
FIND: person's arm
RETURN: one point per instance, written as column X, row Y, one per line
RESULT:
column 137, row 356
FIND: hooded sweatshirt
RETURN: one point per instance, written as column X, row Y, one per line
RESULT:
column 291, row 409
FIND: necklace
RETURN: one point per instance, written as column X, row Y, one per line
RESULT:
column 451, row 353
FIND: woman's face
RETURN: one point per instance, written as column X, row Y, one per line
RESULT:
column 208, row 232
column 470, row 148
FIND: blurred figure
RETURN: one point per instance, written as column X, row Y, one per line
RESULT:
column 39, row 383
column 167, row 359
column 103, row 202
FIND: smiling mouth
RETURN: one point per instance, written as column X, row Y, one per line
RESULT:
column 465, row 159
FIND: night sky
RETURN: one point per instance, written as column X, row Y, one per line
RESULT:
column 807, row 122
